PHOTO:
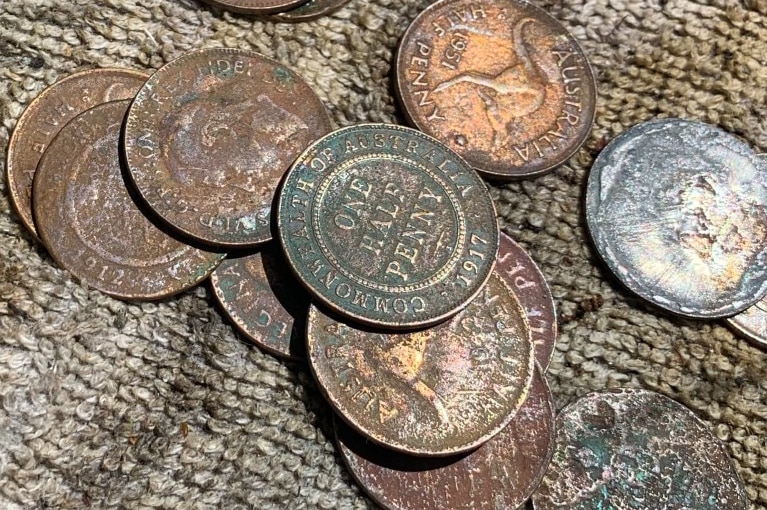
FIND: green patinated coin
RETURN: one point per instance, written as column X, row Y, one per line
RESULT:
column 639, row 450
column 387, row 226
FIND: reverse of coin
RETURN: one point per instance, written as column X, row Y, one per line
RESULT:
column 502, row 473
column 310, row 10
column 678, row 211
column 262, row 298
column 46, row 115
column 387, row 226
column 256, row 6
column 524, row 277
column 437, row 391
column 209, row 137
column 752, row 323
column 92, row 227
column 637, row 449
column 501, row 82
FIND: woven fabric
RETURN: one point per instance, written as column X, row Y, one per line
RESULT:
column 108, row 404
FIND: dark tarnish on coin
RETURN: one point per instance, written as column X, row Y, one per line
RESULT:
column 752, row 323
column 310, row 10
column 209, row 137
column 521, row 273
column 501, row 82
column 262, row 298
column 46, row 115
column 502, row 473
column 92, row 227
column 433, row 392
column 387, row 226
column 678, row 211
column 256, row 6
column 639, row 450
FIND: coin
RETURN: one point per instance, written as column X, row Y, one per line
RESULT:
column 637, row 449
column 524, row 277
column 209, row 137
column 501, row 82
column 676, row 210
column 437, row 391
column 310, row 10
column 752, row 323
column 92, row 227
column 387, row 226
column 262, row 298
column 44, row 117
column 256, row 6
column 502, row 473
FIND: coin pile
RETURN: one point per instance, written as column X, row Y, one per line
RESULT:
column 282, row 10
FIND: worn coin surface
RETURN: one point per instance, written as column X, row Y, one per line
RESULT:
column 210, row 135
column 256, row 6
column 678, row 211
column 310, row 10
column 262, row 298
column 47, row 113
column 92, row 227
column 501, row 82
column 752, row 323
column 524, row 277
column 640, row 450
column 502, row 473
column 387, row 225
column 437, row 391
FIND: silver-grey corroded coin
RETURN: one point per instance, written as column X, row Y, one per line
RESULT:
column 752, row 323
column 677, row 210
column 639, row 450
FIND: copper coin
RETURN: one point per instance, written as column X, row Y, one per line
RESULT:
column 310, row 10
column 677, row 210
column 436, row 391
column 387, row 225
column 500, row 474
column 92, row 227
column 209, row 137
column 44, row 117
column 262, row 298
column 501, row 82
column 524, row 277
column 752, row 323
column 639, row 450
column 256, row 6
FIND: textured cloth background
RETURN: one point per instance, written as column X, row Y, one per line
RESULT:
column 107, row 404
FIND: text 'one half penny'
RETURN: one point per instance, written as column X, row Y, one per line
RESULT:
column 209, row 137
column 92, row 227
column 501, row 82
column 387, row 225
column 46, row 115
column 433, row 392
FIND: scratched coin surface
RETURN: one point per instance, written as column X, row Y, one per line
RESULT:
column 752, row 323
column 501, row 82
column 92, row 227
column 46, row 115
column 678, row 211
column 310, row 10
column 432, row 392
column 524, row 277
column 636, row 449
column 500, row 474
column 256, row 6
column 387, row 225
column 210, row 135
column 262, row 298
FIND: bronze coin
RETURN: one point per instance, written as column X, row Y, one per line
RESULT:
column 209, row 137
column 752, row 323
column 524, row 277
column 387, row 226
column 91, row 225
column 44, row 117
column 262, row 298
column 502, row 473
column 501, row 82
column 310, row 10
column 639, row 450
column 256, row 6
column 433, row 392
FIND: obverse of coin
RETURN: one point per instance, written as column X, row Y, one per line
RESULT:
column 678, row 211
column 436, row 391
column 640, row 450
column 752, row 323
column 262, row 298
column 256, row 6
column 521, row 273
column 210, row 135
column 502, row 473
column 44, row 117
column 387, row 226
column 310, row 10
column 91, row 226
column 501, row 82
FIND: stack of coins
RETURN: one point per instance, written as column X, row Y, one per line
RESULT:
column 291, row 11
